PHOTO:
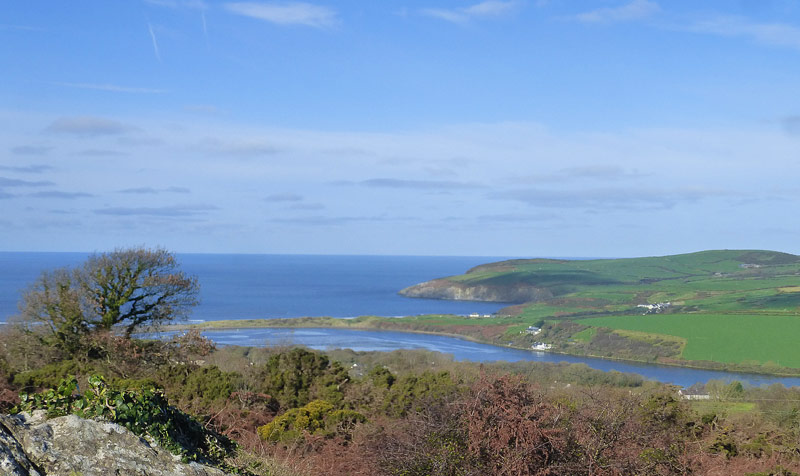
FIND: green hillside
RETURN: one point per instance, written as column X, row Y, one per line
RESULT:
column 727, row 306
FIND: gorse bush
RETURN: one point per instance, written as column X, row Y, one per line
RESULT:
column 144, row 411
column 299, row 376
column 198, row 390
column 316, row 418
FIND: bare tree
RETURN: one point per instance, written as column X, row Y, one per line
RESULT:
column 123, row 289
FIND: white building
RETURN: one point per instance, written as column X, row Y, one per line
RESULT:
column 541, row 346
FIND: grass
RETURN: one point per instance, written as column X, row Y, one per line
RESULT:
column 730, row 338
column 702, row 407
column 585, row 335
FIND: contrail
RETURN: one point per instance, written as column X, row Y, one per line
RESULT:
column 203, row 16
column 155, row 43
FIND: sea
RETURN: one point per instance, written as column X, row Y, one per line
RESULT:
column 238, row 286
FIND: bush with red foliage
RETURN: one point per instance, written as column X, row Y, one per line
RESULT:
column 242, row 414
column 512, row 429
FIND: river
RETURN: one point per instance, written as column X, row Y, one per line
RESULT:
column 464, row 350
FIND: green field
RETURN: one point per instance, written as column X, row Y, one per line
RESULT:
column 733, row 338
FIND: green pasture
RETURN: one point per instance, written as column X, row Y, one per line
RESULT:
column 730, row 338
column 702, row 407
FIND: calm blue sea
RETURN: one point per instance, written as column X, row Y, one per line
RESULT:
column 266, row 286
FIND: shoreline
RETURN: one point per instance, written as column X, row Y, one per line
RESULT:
column 324, row 322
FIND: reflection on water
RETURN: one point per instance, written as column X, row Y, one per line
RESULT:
column 461, row 349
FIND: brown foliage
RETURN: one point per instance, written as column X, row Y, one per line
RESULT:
column 241, row 416
column 512, row 429
column 616, row 432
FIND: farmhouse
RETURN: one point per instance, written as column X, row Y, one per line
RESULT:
column 532, row 330
column 655, row 308
column 695, row 392
column 541, row 346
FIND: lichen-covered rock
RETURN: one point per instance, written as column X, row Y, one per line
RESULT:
column 13, row 460
column 69, row 445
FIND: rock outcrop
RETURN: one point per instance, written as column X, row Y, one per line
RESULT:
column 453, row 290
column 70, row 446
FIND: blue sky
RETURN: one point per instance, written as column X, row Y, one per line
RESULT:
column 495, row 128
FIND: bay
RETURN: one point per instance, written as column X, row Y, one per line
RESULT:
column 282, row 286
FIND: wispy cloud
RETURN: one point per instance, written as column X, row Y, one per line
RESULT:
column 112, row 88
column 775, row 34
column 178, row 3
column 88, row 126
column 101, row 153
column 333, row 220
column 154, row 191
column 517, row 217
column 191, row 4
column 290, row 13
column 605, row 173
column 237, row 148
column 27, row 169
column 61, row 195
column 170, row 211
column 608, row 198
column 417, row 184
column 489, row 8
column 155, row 42
column 306, row 206
column 9, row 182
column 6, row 195
column 7, row 27
column 284, row 197
column 31, row 150
column 635, row 10
column 201, row 109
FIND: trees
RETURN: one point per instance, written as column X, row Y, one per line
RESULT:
column 125, row 288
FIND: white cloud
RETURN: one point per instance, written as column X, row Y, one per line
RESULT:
column 178, row 4
column 776, row 34
column 293, row 13
column 635, row 10
column 88, row 126
column 155, row 42
column 112, row 88
column 489, row 8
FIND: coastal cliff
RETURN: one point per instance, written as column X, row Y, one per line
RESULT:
column 458, row 291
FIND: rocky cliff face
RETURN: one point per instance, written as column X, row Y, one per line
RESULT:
column 444, row 289
column 70, row 446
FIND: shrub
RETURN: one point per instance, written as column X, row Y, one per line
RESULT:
column 296, row 377
column 411, row 393
column 48, row 376
column 316, row 418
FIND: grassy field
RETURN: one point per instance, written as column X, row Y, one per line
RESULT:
column 734, row 338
